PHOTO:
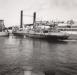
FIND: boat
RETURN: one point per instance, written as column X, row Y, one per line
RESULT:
column 41, row 31
column 70, row 29
column 42, row 34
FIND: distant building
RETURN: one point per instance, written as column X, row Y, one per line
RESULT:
column 2, row 26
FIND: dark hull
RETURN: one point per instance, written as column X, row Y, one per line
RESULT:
column 42, row 36
column 51, row 37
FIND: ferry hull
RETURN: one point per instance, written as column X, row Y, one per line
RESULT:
column 42, row 36
column 49, row 37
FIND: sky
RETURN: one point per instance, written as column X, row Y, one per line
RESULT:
column 45, row 9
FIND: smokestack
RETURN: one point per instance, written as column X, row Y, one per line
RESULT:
column 21, row 19
column 34, row 17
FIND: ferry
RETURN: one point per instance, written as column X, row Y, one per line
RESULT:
column 41, row 31
column 46, row 33
column 70, row 29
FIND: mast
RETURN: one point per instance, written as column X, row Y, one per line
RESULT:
column 21, row 19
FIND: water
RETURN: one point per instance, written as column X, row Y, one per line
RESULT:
column 18, row 54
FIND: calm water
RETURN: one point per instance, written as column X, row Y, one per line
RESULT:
column 16, row 54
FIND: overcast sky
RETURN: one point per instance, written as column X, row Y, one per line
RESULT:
column 46, row 10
